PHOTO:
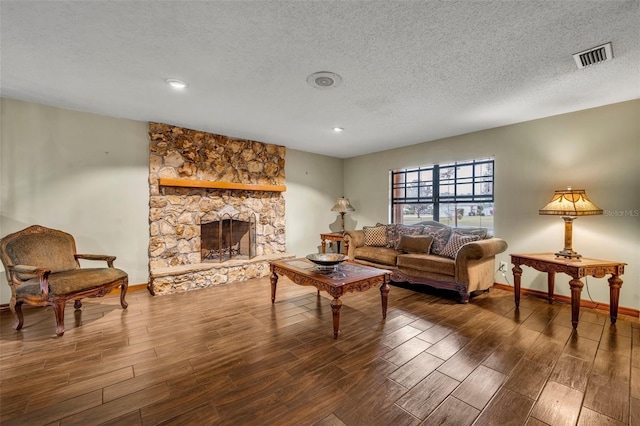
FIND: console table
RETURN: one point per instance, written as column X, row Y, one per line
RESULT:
column 576, row 268
column 333, row 236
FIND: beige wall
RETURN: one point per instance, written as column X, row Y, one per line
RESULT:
column 597, row 150
column 313, row 184
column 88, row 175
column 82, row 173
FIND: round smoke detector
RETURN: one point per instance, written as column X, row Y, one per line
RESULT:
column 324, row 80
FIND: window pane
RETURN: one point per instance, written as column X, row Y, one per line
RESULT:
column 446, row 190
column 426, row 175
column 447, row 174
column 398, row 193
column 448, row 214
column 464, row 190
column 426, row 191
column 412, row 190
column 465, row 172
column 469, row 215
column 484, row 169
column 414, row 213
column 484, row 188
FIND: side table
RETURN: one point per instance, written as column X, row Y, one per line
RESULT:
column 333, row 236
column 576, row 269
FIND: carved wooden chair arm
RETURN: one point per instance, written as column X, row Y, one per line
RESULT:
column 41, row 273
column 25, row 269
column 108, row 259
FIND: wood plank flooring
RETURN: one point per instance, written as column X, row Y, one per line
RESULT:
column 227, row 356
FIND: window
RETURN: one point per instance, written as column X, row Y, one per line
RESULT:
column 458, row 194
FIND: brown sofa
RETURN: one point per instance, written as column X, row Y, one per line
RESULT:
column 429, row 253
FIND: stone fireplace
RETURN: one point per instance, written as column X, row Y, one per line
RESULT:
column 216, row 209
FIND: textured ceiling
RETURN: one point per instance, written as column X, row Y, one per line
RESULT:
column 412, row 71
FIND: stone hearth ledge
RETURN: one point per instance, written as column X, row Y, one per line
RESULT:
column 177, row 279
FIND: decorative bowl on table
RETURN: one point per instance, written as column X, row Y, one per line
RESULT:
column 327, row 259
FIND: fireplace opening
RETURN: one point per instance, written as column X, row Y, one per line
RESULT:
column 228, row 238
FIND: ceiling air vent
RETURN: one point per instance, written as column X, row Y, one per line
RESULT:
column 593, row 56
column 324, row 80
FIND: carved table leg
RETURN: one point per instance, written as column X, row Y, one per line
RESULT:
column 517, row 275
column 77, row 304
column 576, row 290
column 551, row 282
column 274, row 285
column 323, row 243
column 615, row 282
column 384, row 296
column 336, row 304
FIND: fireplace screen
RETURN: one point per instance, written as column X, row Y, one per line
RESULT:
column 228, row 238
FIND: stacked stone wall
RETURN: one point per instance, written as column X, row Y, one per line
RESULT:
column 176, row 213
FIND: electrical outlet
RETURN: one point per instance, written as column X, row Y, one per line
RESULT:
column 503, row 267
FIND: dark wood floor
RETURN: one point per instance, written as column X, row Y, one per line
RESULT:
column 227, row 356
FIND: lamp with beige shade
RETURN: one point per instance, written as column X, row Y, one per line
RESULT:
column 570, row 203
column 342, row 206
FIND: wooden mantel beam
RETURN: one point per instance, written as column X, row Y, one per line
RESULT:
column 187, row 183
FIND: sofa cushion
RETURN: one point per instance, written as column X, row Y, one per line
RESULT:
column 396, row 231
column 415, row 243
column 402, row 230
column 380, row 255
column 456, row 241
column 69, row 282
column 440, row 237
column 375, row 236
column 427, row 263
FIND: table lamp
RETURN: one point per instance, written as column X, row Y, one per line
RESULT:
column 570, row 203
column 342, row 206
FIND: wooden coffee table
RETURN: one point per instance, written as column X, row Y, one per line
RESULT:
column 348, row 277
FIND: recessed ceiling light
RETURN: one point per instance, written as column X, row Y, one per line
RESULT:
column 338, row 129
column 175, row 83
column 324, row 80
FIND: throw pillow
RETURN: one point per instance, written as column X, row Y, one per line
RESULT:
column 440, row 237
column 375, row 236
column 415, row 243
column 402, row 230
column 481, row 232
column 456, row 241
column 391, row 235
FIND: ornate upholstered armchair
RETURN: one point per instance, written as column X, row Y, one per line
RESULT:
column 42, row 269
